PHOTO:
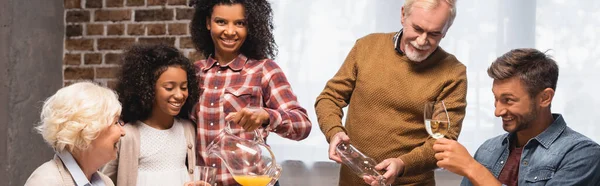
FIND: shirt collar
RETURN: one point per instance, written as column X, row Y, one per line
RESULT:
column 236, row 64
column 549, row 135
column 396, row 40
column 76, row 172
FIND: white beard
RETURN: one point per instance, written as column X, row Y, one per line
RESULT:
column 414, row 55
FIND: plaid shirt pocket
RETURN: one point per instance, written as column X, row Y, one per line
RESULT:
column 237, row 98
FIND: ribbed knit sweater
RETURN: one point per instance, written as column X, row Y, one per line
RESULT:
column 386, row 94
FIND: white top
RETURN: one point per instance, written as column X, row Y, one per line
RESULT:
column 162, row 156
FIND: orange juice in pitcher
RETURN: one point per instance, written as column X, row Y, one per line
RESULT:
column 247, row 180
column 250, row 162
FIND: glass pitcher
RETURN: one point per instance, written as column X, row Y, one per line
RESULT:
column 250, row 162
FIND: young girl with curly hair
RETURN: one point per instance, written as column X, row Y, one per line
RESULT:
column 238, row 80
column 157, row 88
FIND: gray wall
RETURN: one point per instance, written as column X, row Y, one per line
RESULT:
column 31, row 42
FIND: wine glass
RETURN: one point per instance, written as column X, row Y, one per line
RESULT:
column 203, row 176
column 437, row 122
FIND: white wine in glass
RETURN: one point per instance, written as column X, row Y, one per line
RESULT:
column 437, row 122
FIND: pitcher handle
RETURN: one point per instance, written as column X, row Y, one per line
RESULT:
column 258, row 136
column 275, row 175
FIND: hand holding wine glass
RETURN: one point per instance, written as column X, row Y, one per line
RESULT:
column 437, row 122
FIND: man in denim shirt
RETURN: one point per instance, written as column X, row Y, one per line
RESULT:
column 539, row 148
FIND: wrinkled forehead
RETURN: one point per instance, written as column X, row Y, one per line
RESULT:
column 430, row 18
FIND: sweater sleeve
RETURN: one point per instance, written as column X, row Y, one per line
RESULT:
column 454, row 93
column 336, row 95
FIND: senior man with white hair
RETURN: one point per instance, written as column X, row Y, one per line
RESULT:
column 386, row 80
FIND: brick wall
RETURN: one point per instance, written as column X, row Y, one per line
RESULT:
column 97, row 31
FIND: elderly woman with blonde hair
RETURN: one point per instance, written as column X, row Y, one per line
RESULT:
column 81, row 123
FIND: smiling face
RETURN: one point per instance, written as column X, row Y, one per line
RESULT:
column 171, row 91
column 104, row 147
column 517, row 109
column 423, row 29
column 228, row 30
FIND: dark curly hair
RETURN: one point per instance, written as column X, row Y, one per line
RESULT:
column 142, row 66
column 259, row 44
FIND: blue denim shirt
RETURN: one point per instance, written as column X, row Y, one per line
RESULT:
column 557, row 156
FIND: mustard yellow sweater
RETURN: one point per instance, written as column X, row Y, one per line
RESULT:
column 386, row 94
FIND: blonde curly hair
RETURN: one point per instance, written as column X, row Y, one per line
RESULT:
column 75, row 115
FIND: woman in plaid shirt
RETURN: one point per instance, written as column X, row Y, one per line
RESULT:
column 238, row 81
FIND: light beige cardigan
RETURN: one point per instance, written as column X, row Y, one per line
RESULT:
column 54, row 172
column 123, row 171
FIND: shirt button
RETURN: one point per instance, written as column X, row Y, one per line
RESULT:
column 190, row 146
column 215, row 87
column 535, row 178
column 217, row 63
column 525, row 163
column 211, row 124
column 218, row 72
column 211, row 104
column 501, row 162
column 214, row 165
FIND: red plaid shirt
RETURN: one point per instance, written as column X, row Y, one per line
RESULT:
column 226, row 88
